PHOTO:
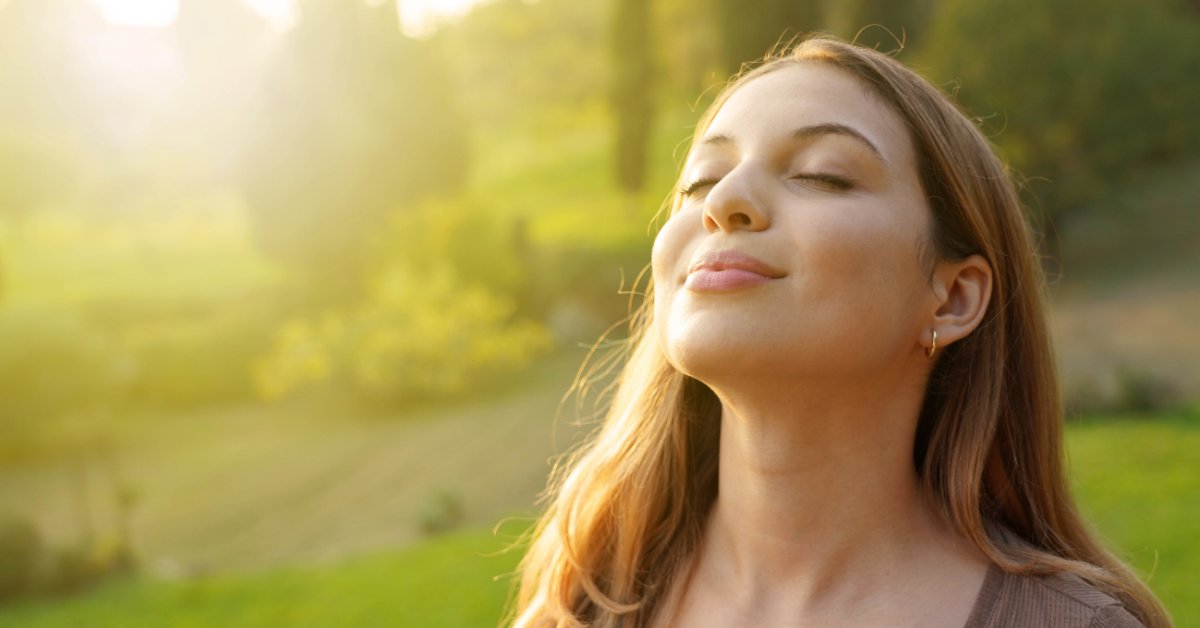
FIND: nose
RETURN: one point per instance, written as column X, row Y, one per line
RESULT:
column 733, row 204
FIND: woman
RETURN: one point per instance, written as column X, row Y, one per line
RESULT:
column 840, row 404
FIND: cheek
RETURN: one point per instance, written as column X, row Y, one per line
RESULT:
column 859, row 279
column 672, row 248
column 863, row 253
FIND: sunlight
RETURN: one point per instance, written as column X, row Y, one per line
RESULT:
column 282, row 14
column 138, row 12
column 420, row 18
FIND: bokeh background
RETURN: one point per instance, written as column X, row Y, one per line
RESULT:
column 291, row 291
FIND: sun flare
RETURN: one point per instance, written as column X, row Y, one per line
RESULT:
column 158, row 13
column 138, row 12
column 419, row 17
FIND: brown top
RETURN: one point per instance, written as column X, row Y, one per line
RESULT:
column 1059, row 601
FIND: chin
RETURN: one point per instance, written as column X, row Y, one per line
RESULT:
column 706, row 354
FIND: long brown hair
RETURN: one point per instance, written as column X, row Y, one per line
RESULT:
column 627, row 507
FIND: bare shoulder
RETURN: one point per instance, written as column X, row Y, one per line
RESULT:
column 1057, row 601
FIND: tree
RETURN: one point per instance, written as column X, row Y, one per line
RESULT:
column 521, row 60
column 881, row 24
column 357, row 121
column 632, row 91
column 1078, row 96
column 749, row 30
column 689, row 52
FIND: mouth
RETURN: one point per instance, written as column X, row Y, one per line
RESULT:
column 724, row 271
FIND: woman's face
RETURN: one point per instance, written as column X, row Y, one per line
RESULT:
column 796, row 252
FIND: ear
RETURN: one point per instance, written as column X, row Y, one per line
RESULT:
column 961, row 291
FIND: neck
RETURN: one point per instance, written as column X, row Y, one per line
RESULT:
column 817, row 493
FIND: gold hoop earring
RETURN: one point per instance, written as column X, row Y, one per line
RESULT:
column 932, row 346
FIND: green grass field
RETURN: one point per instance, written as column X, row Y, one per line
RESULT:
column 1138, row 481
column 1136, row 478
column 451, row 581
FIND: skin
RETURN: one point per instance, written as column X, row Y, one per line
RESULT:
column 821, row 372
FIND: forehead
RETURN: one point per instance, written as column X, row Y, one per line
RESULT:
column 769, row 108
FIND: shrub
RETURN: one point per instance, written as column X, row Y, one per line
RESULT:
column 418, row 336
column 21, row 553
column 1139, row 390
column 203, row 360
column 463, row 236
column 53, row 368
column 72, row 568
column 1081, row 94
column 1123, row 389
column 442, row 512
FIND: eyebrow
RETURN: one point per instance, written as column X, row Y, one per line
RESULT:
column 807, row 132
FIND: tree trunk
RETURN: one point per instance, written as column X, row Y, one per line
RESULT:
column 750, row 30
column 632, row 91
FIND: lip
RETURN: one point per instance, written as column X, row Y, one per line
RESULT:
column 724, row 271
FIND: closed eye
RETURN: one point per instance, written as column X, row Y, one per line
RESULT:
column 820, row 179
column 694, row 186
column 827, row 181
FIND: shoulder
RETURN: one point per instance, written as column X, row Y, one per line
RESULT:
column 1057, row 601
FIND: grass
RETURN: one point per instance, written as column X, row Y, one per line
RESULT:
column 456, row 580
column 1136, row 480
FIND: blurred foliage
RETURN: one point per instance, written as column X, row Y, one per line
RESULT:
column 224, row 207
column 198, row 358
column 20, row 555
column 441, row 513
column 1142, row 392
column 443, row 313
column 632, row 91
column 54, row 369
column 469, row 236
column 513, row 60
column 1078, row 97
column 30, row 566
column 887, row 25
column 418, row 335
column 356, row 120
column 749, row 34
column 1130, row 389
column 687, row 51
